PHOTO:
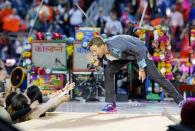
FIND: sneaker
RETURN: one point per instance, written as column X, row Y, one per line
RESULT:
column 109, row 108
column 181, row 103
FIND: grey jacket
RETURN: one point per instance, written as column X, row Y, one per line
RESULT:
column 125, row 47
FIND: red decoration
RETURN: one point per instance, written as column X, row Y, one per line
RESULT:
column 34, row 69
column 40, row 71
column 56, row 36
column 40, row 36
column 95, row 34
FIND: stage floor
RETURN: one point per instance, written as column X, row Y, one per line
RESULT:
column 81, row 116
column 143, row 107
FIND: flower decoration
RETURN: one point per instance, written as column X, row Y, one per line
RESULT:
column 162, row 52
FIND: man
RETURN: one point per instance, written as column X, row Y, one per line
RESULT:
column 119, row 50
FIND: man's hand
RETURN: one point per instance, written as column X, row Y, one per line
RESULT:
column 93, row 60
column 142, row 75
column 96, row 63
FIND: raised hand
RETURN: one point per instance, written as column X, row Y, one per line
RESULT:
column 69, row 86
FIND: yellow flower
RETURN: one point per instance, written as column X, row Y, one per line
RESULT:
column 26, row 54
column 30, row 39
column 161, row 33
column 188, row 64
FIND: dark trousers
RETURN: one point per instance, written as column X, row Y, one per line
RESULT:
column 151, row 70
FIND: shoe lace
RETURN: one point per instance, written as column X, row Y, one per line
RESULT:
column 182, row 103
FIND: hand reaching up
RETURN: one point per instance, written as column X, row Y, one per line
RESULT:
column 69, row 86
column 64, row 91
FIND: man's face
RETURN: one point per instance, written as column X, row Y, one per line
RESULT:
column 97, row 50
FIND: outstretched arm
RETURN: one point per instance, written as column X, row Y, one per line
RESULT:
column 63, row 96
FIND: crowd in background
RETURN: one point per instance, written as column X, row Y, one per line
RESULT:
column 17, row 17
column 176, row 15
column 62, row 16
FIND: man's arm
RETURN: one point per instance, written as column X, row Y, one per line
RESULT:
column 140, row 50
column 137, row 47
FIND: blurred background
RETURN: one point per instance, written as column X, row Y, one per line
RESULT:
column 18, row 16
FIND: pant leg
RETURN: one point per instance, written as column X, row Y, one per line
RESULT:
column 109, row 83
column 153, row 73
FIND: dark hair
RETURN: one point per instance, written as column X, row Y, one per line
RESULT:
column 19, row 102
column 96, row 41
column 9, row 98
column 34, row 93
column 188, row 114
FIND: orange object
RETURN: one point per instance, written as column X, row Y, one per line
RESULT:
column 23, row 27
column 4, row 13
column 184, row 47
column 50, row 17
column 11, row 24
column 156, row 22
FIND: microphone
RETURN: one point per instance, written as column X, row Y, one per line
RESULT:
column 58, row 61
